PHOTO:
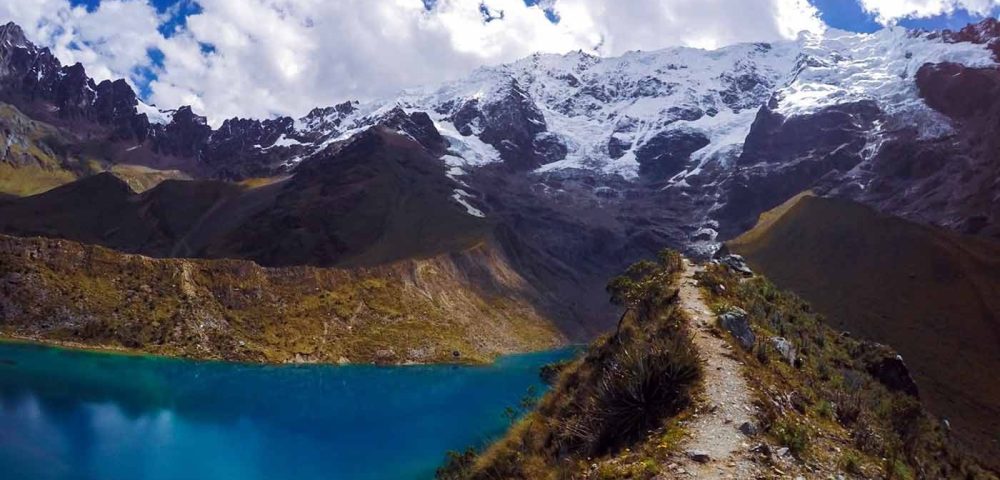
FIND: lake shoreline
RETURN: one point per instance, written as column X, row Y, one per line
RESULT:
column 8, row 338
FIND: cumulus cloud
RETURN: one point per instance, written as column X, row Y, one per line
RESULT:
column 112, row 41
column 889, row 12
column 262, row 58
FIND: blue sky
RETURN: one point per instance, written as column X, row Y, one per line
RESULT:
column 267, row 57
column 849, row 15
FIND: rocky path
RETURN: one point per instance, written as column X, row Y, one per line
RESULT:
column 716, row 447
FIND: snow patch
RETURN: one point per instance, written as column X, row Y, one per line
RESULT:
column 460, row 196
column 838, row 66
column 153, row 114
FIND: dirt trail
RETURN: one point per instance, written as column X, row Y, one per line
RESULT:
column 727, row 402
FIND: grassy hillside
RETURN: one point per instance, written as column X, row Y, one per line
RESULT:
column 36, row 157
column 33, row 155
column 428, row 310
column 835, row 406
column 931, row 294
column 613, row 412
column 624, row 409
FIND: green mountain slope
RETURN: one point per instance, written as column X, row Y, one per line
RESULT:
column 931, row 294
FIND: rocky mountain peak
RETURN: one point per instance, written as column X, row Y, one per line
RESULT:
column 12, row 36
column 986, row 32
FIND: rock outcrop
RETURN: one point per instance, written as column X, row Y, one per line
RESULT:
column 736, row 321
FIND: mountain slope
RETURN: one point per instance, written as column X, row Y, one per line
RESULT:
column 467, row 306
column 633, row 407
column 380, row 197
column 932, row 294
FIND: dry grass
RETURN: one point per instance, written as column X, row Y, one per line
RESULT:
column 929, row 293
column 617, row 406
column 828, row 409
column 31, row 180
column 415, row 311
column 140, row 178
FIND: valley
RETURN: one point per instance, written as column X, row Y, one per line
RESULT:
column 485, row 222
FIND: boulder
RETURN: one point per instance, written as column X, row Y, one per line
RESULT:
column 885, row 366
column 748, row 429
column 737, row 264
column 737, row 322
column 785, row 348
column 892, row 372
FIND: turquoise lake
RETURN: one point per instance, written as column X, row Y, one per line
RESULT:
column 68, row 414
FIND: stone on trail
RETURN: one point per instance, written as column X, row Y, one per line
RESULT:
column 737, row 322
column 699, row 456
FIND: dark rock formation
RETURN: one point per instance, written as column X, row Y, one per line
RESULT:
column 890, row 370
column 511, row 122
column 184, row 136
column 667, row 153
column 784, row 156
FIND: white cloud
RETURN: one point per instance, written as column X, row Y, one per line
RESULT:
column 273, row 57
column 111, row 41
column 889, row 12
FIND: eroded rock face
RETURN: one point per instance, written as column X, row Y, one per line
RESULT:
column 951, row 181
column 889, row 368
column 511, row 122
column 418, row 125
column 985, row 32
column 32, row 78
column 784, row 156
column 185, row 135
column 234, row 150
column 668, row 152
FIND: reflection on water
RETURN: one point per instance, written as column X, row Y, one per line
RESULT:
column 68, row 414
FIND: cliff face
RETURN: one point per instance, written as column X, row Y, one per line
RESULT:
column 467, row 306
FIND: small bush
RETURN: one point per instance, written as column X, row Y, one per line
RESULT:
column 850, row 462
column 642, row 387
column 458, row 465
column 762, row 351
column 898, row 470
column 549, row 373
column 793, row 435
column 825, row 409
column 867, row 437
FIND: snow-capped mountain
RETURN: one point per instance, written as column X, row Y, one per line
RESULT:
column 679, row 118
column 704, row 139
